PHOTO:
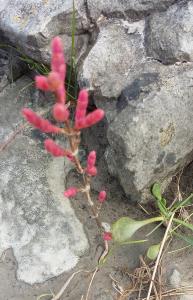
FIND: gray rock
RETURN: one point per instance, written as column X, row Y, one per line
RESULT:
column 175, row 278
column 36, row 220
column 31, row 25
column 169, row 35
column 119, row 47
column 133, row 9
column 151, row 136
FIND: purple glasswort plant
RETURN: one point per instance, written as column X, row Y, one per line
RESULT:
column 54, row 82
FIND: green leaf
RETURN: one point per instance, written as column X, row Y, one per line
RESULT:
column 161, row 202
column 156, row 191
column 153, row 251
column 162, row 208
column 183, row 203
column 123, row 229
column 164, row 201
column 185, row 224
column 188, row 239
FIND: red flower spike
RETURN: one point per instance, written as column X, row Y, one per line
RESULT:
column 107, row 236
column 56, row 45
column 91, row 119
column 53, row 148
column 62, row 71
column 94, row 117
column 81, row 107
column 54, row 81
column 60, row 112
column 71, row 192
column 56, row 150
column 38, row 122
column 61, row 95
column 91, row 171
column 102, row 196
column 42, row 83
column 58, row 63
column 91, row 160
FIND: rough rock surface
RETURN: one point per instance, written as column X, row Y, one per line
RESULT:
column 147, row 100
column 31, row 25
column 151, row 136
column 133, row 9
column 120, row 44
column 106, row 68
column 169, row 35
column 36, row 221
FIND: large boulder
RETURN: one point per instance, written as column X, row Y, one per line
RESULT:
column 151, row 136
column 117, row 51
column 36, row 220
column 148, row 104
column 30, row 25
column 169, row 35
column 126, row 52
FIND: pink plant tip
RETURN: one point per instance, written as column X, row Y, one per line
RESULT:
column 107, row 236
column 91, row 160
column 56, row 150
column 102, row 196
column 56, row 45
column 91, row 171
column 90, row 120
column 42, row 83
column 60, row 112
column 53, row 148
column 81, row 107
column 57, row 62
column 38, row 122
column 54, row 81
column 71, row 192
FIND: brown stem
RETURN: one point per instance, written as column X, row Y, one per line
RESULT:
column 74, row 141
column 74, row 146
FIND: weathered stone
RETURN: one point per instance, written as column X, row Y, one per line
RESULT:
column 31, row 25
column 105, row 69
column 36, row 220
column 133, row 9
column 169, row 35
column 175, row 278
column 150, row 137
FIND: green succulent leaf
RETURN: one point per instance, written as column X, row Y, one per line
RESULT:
column 188, row 239
column 156, row 191
column 185, row 224
column 124, row 228
column 153, row 251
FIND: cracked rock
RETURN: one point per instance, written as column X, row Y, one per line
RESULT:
column 32, row 24
column 151, row 136
column 169, row 35
column 36, row 220
column 134, row 9
column 106, row 69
